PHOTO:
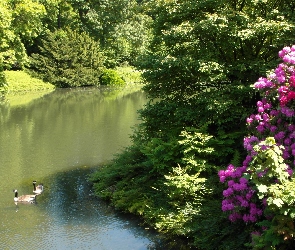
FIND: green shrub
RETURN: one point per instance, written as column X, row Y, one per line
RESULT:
column 110, row 77
column 174, row 187
column 68, row 59
column 130, row 75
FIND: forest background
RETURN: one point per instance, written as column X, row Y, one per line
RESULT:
column 199, row 60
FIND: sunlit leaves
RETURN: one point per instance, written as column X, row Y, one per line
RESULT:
column 20, row 22
column 239, row 37
column 121, row 26
column 60, row 14
column 27, row 18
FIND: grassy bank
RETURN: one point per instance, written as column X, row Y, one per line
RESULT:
column 21, row 88
column 20, row 82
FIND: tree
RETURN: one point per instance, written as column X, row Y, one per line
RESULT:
column 20, row 23
column 201, row 63
column 68, row 59
column 121, row 26
column 201, row 44
column 60, row 14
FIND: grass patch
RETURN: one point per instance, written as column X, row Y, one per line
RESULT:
column 20, row 81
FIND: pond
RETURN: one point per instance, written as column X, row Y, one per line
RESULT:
column 58, row 139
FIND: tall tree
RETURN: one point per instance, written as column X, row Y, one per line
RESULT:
column 60, row 14
column 20, row 23
column 206, row 54
column 121, row 26
column 68, row 58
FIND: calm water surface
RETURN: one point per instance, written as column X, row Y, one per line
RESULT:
column 58, row 139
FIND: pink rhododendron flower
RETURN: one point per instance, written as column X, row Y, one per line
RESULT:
column 249, row 195
column 227, row 205
column 284, row 51
column 273, row 129
column 289, row 170
column 292, row 81
column 275, row 117
column 247, row 161
column 280, row 135
column 259, row 104
column 267, row 106
column 265, row 117
column 260, row 128
column 274, row 112
column 249, row 120
column 228, row 192
column 258, row 117
column 234, row 217
column 287, row 141
column 230, row 183
column 291, row 127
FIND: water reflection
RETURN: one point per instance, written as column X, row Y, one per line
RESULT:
column 69, row 217
column 83, row 220
column 57, row 139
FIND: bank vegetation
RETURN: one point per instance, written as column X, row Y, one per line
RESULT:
column 199, row 61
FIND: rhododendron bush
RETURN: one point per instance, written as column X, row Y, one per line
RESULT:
column 261, row 192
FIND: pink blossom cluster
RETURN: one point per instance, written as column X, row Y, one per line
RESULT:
column 274, row 118
column 276, row 111
column 239, row 194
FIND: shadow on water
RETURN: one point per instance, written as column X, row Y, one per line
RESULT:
column 69, row 201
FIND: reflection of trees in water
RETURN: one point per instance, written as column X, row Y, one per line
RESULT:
column 64, row 97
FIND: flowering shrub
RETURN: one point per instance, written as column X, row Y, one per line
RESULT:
column 257, row 190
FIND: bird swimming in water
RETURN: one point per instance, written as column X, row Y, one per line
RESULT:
column 37, row 189
column 31, row 198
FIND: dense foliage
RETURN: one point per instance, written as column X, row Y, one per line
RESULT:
column 112, row 78
column 203, row 44
column 263, row 188
column 202, row 60
column 68, row 59
column 130, row 74
column 120, row 29
column 20, row 23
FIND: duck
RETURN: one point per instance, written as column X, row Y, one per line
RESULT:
column 31, row 198
column 37, row 189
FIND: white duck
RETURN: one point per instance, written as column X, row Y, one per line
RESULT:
column 31, row 198
column 37, row 189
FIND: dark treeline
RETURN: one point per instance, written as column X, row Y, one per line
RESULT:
column 200, row 60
